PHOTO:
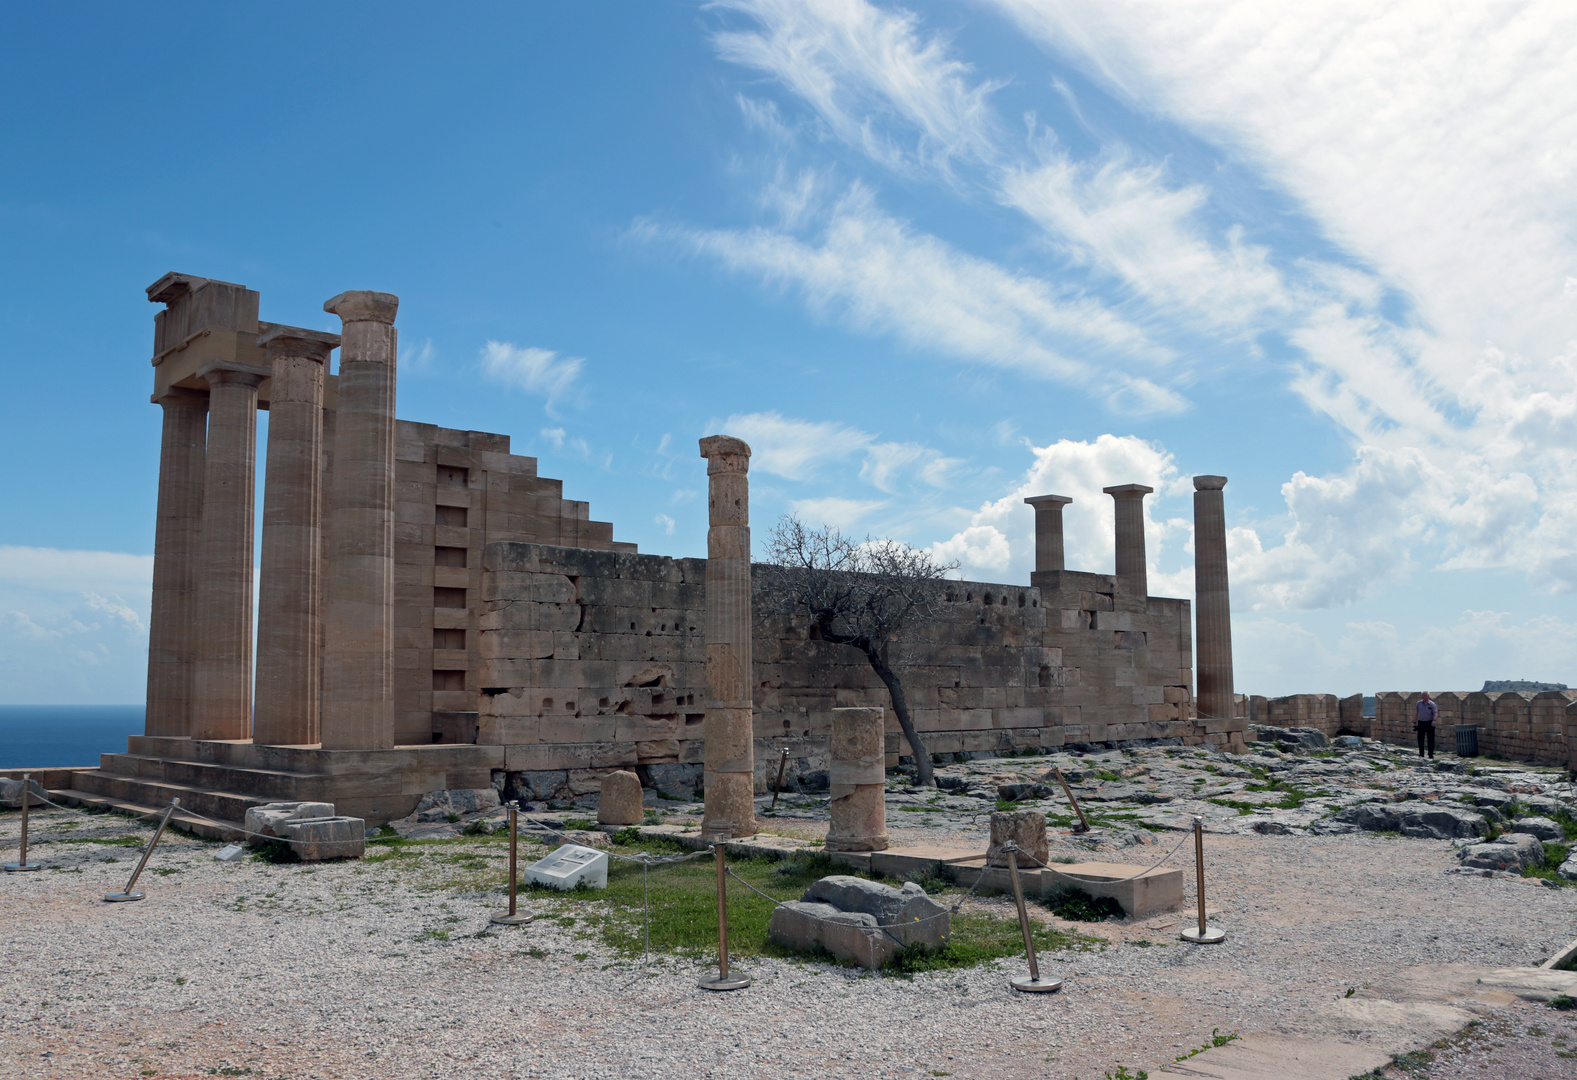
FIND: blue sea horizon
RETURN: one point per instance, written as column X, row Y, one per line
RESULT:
column 52, row 736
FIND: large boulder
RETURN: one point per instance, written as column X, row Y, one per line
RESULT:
column 1542, row 827
column 1568, row 868
column 1513, row 852
column 11, row 793
column 1434, row 821
column 619, row 802
column 908, row 913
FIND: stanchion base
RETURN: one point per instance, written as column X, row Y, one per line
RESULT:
column 17, row 868
column 719, row 982
column 123, row 897
column 1036, row 986
column 506, row 919
column 1210, row 936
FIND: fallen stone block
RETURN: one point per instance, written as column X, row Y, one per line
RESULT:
column 1026, row 829
column 569, row 866
column 852, row 936
column 316, row 839
column 270, row 818
column 1151, row 891
column 911, row 916
column 1429, row 820
column 619, row 802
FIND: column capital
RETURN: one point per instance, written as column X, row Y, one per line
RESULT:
column 363, row 305
column 725, row 454
column 1209, row 483
column 1040, row 500
column 1128, row 491
column 176, row 395
column 278, row 340
column 226, row 373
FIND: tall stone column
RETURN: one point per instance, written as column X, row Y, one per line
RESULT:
column 289, row 619
column 177, row 539
column 1212, row 606
column 1132, row 576
column 858, row 781
column 730, row 714
column 1048, row 531
column 358, row 638
column 222, row 701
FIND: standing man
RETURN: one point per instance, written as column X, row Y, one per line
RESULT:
column 1427, row 711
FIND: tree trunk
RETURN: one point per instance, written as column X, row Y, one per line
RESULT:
column 922, row 757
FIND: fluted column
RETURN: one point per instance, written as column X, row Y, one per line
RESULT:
column 858, row 769
column 358, row 639
column 1212, row 605
column 222, row 698
column 286, row 710
column 1048, row 531
column 177, row 538
column 1132, row 576
column 730, row 749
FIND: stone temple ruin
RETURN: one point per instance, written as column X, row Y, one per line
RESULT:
column 434, row 615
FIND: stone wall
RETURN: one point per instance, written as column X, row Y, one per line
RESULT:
column 1518, row 726
column 594, row 660
column 1325, row 712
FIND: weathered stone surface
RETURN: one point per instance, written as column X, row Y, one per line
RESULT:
column 1542, row 827
column 908, row 913
column 673, row 780
column 619, row 802
column 850, row 936
column 858, row 814
column 1513, row 852
column 1431, row 820
column 458, row 802
column 1568, row 869
column 269, row 819
column 1027, row 829
column 316, row 839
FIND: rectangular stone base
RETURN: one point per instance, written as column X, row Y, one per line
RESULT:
column 1160, row 889
column 316, row 839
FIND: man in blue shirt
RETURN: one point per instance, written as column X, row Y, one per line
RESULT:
column 1425, row 726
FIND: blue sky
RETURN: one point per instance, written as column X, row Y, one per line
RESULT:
column 926, row 258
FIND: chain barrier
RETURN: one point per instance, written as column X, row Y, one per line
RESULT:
column 1111, row 881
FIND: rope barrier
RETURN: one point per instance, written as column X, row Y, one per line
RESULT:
column 1113, row 881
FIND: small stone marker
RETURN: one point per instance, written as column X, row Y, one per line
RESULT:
column 269, row 819
column 230, row 853
column 1027, row 829
column 620, row 800
column 569, row 866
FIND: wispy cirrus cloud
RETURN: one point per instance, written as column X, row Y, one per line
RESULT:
column 536, row 371
column 797, row 449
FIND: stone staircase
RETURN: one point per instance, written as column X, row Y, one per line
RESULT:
column 145, row 779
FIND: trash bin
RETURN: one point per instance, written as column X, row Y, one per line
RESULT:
column 1467, row 740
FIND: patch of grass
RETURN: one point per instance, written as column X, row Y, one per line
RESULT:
column 1122, row 1073
column 1005, row 806
column 1107, row 774
column 631, row 835
column 1077, row 905
column 979, row 938
column 116, row 841
column 434, row 934
column 581, row 823
column 275, row 851
column 1554, row 855
column 1562, row 1003
column 1216, row 1039
column 1241, row 807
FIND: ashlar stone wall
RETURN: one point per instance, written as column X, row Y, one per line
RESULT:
column 1517, row 725
column 595, row 660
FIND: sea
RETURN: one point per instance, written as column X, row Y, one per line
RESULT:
column 49, row 736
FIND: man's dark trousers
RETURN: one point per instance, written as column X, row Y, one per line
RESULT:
column 1426, row 737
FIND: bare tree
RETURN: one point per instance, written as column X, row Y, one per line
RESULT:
column 868, row 595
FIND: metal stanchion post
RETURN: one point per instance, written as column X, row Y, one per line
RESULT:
column 722, row 980
column 1034, row 984
column 22, row 863
column 126, row 893
column 512, row 917
column 778, row 787
column 1204, row 935
column 1084, row 822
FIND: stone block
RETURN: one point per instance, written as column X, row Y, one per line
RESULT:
column 907, row 914
column 1160, row 889
column 852, row 937
column 270, row 818
column 619, row 800
column 316, row 839
column 1027, row 829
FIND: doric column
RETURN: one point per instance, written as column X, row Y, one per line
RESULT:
column 1212, row 606
column 730, row 749
column 289, row 618
column 222, row 700
column 358, row 638
column 1132, row 577
column 858, row 781
column 1048, row 531
column 177, row 538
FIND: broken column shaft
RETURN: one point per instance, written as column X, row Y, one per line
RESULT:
column 1048, row 531
column 1212, row 604
column 858, row 781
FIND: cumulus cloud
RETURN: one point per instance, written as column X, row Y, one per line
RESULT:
column 536, row 371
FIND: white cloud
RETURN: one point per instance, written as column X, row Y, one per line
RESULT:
column 666, row 522
column 798, row 449
column 831, row 510
column 536, row 371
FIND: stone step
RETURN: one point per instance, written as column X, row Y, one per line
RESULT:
column 270, row 784
column 185, row 822
column 156, row 794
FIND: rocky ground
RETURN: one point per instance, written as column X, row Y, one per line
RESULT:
column 388, row 967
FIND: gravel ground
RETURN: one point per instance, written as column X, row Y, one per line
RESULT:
column 343, row 970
